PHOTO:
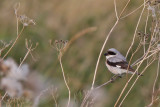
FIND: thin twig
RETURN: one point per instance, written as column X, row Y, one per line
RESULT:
column 96, row 88
column 110, row 81
column 101, row 53
column 69, row 97
column 30, row 49
column 124, row 9
column 4, row 96
column 154, row 84
column 146, row 31
column 80, row 34
column 54, row 96
column 13, row 44
column 115, row 8
column 134, row 10
column 136, row 30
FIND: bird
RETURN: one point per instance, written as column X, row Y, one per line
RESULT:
column 116, row 63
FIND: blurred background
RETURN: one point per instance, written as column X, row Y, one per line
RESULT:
column 63, row 19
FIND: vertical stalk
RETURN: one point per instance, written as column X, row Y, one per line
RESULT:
column 69, row 97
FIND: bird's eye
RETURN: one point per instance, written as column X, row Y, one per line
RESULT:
column 111, row 53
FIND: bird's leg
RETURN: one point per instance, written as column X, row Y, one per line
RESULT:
column 113, row 78
column 120, row 76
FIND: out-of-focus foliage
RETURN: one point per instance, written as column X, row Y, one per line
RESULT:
column 63, row 19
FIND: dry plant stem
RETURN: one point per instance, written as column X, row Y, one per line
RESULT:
column 147, row 57
column 124, row 8
column 88, row 94
column 24, row 59
column 134, row 10
column 69, row 97
column 146, row 30
column 79, row 34
column 135, row 82
column 153, row 91
column 103, row 84
column 17, row 25
column 101, row 53
column 155, row 80
column 94, row 78
column 138, row 61
column 54, row 98
column 85, row 98
column 136, row 30
column 107, row 82
column 115, row 8
column 139, row 45
column 4, row 96
column 13, row 43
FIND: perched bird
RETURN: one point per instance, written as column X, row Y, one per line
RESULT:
column 116, row 63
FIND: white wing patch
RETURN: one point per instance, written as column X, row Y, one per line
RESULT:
column 118, row 66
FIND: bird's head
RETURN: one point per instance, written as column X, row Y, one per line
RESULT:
column 111, row 53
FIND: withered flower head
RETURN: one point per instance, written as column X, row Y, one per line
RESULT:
column 16, row 8
column 142, row 35
column 60, row 46
column 26, row 21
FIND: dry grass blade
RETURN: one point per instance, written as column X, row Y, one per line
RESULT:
column 80, row 34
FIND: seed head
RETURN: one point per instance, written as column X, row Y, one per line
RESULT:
column 16, row 8
column 26, row 21
column 60, row 46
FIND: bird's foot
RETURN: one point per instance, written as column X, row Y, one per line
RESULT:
column 120, row 76
column 112, row 80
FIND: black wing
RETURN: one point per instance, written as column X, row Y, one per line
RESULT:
column 122, row 64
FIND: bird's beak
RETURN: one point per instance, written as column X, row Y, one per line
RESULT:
column 105, row 54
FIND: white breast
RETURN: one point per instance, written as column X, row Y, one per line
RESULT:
column 116, row 70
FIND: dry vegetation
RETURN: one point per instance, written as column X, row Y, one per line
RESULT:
column 56, row 58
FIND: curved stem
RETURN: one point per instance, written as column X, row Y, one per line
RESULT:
column 23, row 59
column 153, row 90
column 134, row 10
column 13, row 44
column 101, row 53
column 69, row 97
column 136, row 30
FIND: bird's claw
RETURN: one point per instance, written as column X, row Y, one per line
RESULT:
column 112, row 80
column 119, row 76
